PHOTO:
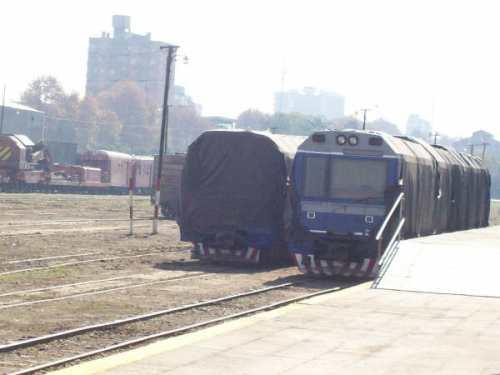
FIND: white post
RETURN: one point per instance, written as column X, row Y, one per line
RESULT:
column 131, row 205
column 157, row 210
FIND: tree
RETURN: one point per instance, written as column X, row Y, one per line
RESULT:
column 88, row 116
column 253, row 119
column 108, row 129
column 418, row 127
column 185, row 126
column 347, row 122
column 128, row 101
column 384, row 126
column 45, row 93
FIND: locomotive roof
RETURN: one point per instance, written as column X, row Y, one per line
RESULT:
column 389, row 146
column 27, row 142
column 408, row 148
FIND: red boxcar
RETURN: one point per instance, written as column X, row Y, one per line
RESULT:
column 143, row 171
column 116, row 167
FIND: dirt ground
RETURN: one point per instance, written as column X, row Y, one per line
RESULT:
column 60, row 268
column 67, row 261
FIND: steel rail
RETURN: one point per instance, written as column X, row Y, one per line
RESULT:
column 77, row 331
column 30, row 260
column 29, row 291
column 69, row 264
column 52, row 231
column 174, row 332
column 16, row 261
column 104, row 291
column 68, row 221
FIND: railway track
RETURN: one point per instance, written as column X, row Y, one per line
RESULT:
column 66, row 221
column 71, row 264
column 37, row 354
column 83, row 262
column 51, row 231
column 188, row 276
column 86, row 254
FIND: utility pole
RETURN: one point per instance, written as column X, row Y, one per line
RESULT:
column 436, row 134
column 484, row 144
column 3, row 110
column 164, row 132
column 364, row 117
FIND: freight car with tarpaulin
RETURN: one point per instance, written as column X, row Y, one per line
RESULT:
column 353, row 190
column 234, row 202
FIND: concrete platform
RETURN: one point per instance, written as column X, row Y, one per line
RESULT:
column 355, row 331
column 466, row 262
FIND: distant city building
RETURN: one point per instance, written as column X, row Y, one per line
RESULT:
column 184, row 100
column 125, row 56
column 21, row 119
column 310, row 101
column 418, row 127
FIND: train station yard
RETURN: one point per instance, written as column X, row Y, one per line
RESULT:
column 68, row 262
column 73, row 281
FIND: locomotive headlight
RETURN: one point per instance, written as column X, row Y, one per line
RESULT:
column 353, row 140
column 341, row 140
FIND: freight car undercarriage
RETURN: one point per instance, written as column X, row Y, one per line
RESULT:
column 237, row 248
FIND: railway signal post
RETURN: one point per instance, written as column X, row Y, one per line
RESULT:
column 131, row 187
column 164, row 133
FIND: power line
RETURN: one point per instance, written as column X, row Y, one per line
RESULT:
column 483, row 144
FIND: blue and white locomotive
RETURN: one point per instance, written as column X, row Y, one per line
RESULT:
column 346, row 183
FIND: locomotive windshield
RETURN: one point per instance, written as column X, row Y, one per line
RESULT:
column 360, row 180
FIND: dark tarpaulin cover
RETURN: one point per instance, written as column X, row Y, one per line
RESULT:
column 234, row 181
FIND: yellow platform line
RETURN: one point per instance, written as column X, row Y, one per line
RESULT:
column 120, row 359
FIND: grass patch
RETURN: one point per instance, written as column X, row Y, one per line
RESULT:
column 47, row 273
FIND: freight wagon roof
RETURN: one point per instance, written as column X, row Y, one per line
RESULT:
column 287, row 144
column 112, row 154
column 143, row 158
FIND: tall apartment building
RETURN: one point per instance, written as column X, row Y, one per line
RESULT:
column 126, row 56
column 310, row 101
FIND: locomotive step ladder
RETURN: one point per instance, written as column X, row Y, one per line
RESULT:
column 387, row 254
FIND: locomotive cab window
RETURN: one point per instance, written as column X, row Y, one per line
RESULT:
column 315, row 177
column 340, row 178
column 358, row 179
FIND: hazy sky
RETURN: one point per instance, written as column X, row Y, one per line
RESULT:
column 437, row 58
